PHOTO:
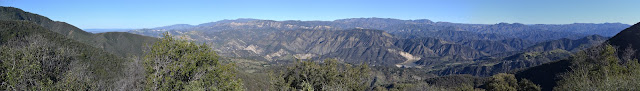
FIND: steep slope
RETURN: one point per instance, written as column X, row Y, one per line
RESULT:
column 64, row 63
column 492, row 47
column 430, row 47
column 11, row 13
column 548, row 75
column 628, row 38
column 119, row 43
column 535, row 55
column 354, row 45
column 451, row 34
column 302, row 44
column 510, row 63
column 122, row 44
column 568, row 44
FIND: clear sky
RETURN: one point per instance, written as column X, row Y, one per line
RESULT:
column 91, row 14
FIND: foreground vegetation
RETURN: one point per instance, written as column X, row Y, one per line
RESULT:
column 600, row 68
column 33, row 58
column 326, row 76
column 182, row 65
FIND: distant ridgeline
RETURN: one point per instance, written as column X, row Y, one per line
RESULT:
column 37, row 53
column 478, row 49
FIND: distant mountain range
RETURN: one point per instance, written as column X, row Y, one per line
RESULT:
column 398, row 50
column 106, row 30
column 439, row 46
column 536, row 32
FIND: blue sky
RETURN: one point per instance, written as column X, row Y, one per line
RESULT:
column 90, row 14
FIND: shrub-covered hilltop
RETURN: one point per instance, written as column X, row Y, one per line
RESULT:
column 33, row 58
column 37, row 53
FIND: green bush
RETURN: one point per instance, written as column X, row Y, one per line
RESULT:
column 508, row 82
column 175, row 64
column 600, row 68
column 329, row 75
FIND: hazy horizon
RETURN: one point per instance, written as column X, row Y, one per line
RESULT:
column 123, row 14
column 333, row 20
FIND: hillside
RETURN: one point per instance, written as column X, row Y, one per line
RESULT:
column 119, row 43
column 50, row 60
column 533, row 56
column 562, row 74
column 568, row 44
column 628, row 38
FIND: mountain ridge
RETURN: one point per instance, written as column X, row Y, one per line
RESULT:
column 530, row 32
column 627, row 38
column 548, row 74
column 131, row 45
column 63, row 61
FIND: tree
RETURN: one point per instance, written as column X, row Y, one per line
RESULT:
column 36, row 63
column 34, row 58
column 600, row 68
column 329, row 75
column 174, row 64
column 502, row 82
column 526, row 85
column 508, row 82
